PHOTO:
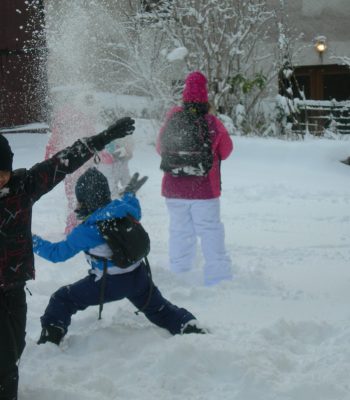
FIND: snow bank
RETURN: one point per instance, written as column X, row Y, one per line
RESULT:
column 279, row 330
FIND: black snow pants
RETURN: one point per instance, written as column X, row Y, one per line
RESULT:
column 13, row 314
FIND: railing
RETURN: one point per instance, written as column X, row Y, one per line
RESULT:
column 315, row 116
column 36, row 127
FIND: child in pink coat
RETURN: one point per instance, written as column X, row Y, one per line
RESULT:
column 115, row 164
column 68, row 124
column 193, row 202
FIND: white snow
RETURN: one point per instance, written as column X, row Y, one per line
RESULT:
column 279, row 331
column 177, row 54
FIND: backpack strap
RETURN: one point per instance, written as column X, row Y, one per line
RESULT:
column 103, row 287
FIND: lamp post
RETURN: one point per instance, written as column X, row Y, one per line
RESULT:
column 320, row 44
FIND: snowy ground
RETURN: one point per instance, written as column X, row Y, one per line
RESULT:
column 280, row 330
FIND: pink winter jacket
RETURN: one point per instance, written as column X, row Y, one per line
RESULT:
column 194, row 187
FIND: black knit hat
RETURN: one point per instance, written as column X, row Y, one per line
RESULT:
column 6, row 155
column 92, row 190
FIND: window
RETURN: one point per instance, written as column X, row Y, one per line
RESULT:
column 336, row 86
column 324, row 82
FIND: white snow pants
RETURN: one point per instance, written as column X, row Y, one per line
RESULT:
column 190, row 219
column 118, row 175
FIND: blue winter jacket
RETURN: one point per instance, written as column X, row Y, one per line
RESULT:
column 86, row 236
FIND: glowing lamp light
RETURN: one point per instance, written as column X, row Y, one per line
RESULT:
column 320, row 45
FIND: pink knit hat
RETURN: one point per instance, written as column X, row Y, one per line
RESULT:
column 195, row 88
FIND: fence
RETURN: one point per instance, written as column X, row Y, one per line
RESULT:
column 315, row 116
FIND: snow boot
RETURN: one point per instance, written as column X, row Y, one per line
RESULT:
column 193, row 327
column 51, row 333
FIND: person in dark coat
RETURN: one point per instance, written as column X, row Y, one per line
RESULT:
column 19, row 190
column 132, row 281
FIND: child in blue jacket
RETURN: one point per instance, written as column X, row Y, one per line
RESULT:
column 134, row 282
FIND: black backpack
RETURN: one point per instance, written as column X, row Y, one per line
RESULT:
column 186, row 145
column 127, row 239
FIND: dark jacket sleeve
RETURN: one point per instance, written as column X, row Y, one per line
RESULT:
column 44, row 176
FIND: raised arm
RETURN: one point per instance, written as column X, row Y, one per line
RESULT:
column 44, row 176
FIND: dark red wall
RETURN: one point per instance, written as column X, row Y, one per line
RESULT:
column 23, row 79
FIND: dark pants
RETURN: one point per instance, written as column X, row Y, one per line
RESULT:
column 135, row 286
column 13, row 312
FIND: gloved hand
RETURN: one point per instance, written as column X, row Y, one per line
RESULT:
column 135, row 183
column 37, row 241
column 122, row 127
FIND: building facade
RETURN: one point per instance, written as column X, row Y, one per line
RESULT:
column 22, row 62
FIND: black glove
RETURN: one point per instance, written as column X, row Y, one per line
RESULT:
column 135, row 183
column 122, row 127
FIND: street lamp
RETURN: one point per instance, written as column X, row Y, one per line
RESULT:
column 320, row 46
